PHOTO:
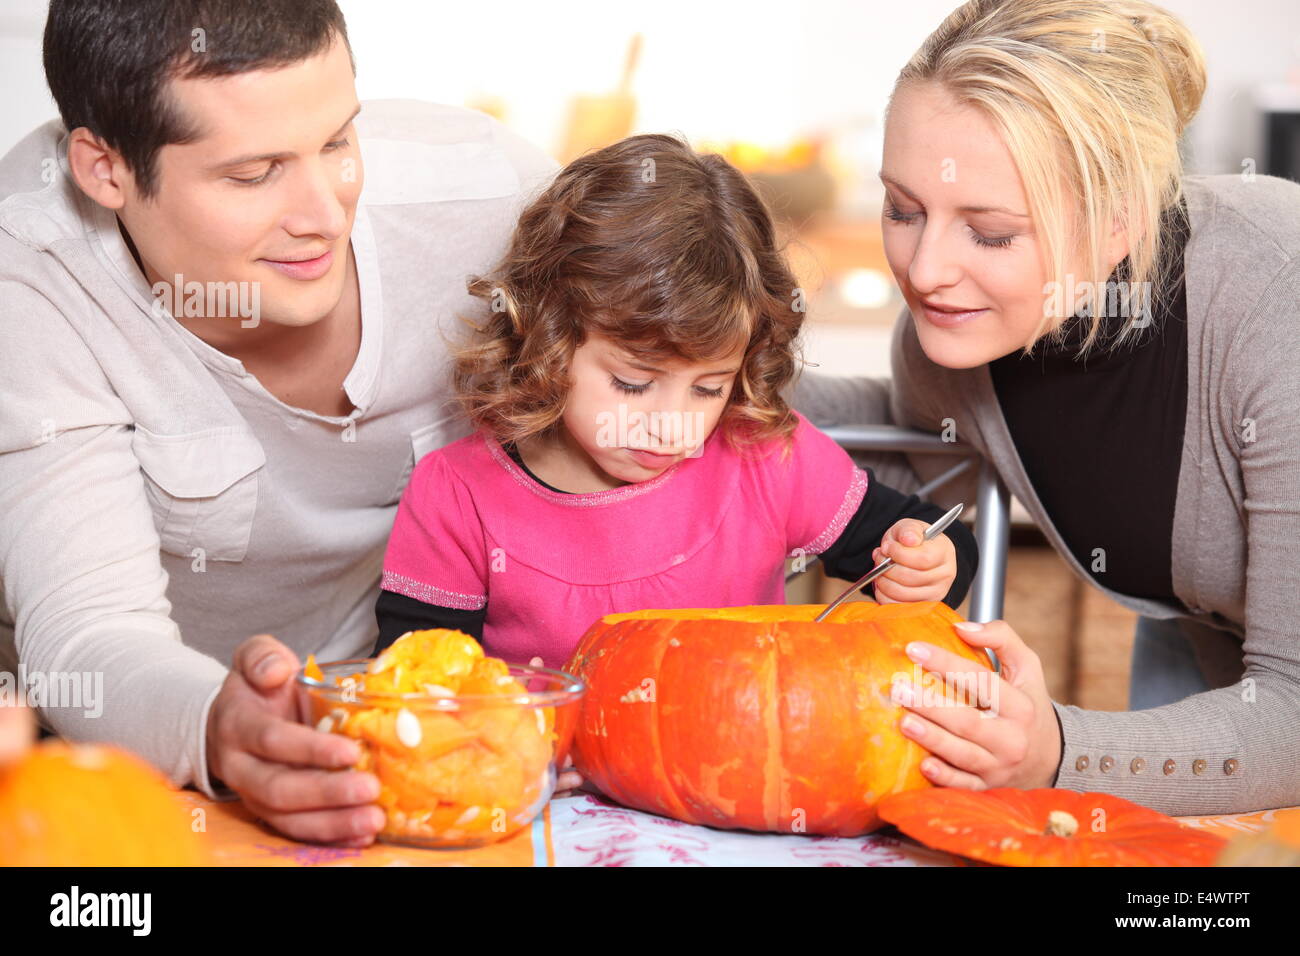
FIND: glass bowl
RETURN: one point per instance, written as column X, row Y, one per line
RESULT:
column 454, row 770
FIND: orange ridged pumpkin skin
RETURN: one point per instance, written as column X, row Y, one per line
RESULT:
column 1049, row 827
column 92, row 805
column 756, row 717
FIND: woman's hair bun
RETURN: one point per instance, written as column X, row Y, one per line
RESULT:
column 1179, row 52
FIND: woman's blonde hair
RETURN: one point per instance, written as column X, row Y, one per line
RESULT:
column 1091, row 98
column 668, row 252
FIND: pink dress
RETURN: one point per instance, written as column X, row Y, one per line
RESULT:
column 473, row 529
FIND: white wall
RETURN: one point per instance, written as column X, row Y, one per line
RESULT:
column 761, row 70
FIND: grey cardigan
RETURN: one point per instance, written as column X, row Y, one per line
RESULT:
column 1236, row 536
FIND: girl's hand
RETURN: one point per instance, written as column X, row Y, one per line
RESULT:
column 569, row 780
column 922, row 571
column 982, row 730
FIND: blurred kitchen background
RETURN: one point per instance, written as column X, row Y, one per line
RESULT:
column 792, row 93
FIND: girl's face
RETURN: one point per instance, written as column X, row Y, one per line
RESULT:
column 634, row 418
column 957, row 231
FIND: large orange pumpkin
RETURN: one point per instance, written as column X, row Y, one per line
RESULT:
column 92, row 805
column 755, row 717
column 1048, row 827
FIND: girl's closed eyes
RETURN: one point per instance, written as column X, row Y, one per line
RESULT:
column 637, row 389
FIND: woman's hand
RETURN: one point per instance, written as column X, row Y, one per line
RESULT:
column 922, row 571
column 982, row 730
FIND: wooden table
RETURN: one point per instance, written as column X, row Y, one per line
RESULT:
column 587, row 831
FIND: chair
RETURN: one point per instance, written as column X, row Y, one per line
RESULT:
column 993, row 506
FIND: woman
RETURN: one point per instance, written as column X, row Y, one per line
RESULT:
column 1150, row 426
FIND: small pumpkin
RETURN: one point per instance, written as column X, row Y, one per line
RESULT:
column 755, row 717
column 1048, row 827
column 67, row 804
column 1279, row 845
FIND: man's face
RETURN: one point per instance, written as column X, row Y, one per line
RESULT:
column 271, row 181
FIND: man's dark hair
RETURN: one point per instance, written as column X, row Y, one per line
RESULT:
column 108, row 62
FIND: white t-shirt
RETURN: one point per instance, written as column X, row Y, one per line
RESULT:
column 157, row 505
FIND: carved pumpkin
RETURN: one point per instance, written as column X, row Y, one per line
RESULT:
column 755, row 717
column 92, row 805
column 1048, row 828
column 1279, row 845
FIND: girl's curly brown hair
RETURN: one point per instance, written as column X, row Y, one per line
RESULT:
column 666, row 251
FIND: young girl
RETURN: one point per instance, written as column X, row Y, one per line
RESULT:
column 633, row 449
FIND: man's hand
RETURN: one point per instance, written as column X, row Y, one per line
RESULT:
column 17, row 732
column 288, row 774
column 922, row 571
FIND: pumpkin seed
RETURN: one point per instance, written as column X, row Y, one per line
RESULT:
column 408, row 728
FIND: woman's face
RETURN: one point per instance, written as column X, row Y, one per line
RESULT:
column 957, row 231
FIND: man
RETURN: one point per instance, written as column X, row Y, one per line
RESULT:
column 224, row 290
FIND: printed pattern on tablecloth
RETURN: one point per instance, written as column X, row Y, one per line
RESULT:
column 589, row 831
column 1234, row 824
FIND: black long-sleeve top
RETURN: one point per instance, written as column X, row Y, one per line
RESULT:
column 1101, row 438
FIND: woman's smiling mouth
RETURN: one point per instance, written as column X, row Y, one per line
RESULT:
column 948, row 316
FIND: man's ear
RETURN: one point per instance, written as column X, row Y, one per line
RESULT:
column 98, row 169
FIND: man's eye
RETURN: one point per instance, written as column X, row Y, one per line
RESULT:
column 623, row 386
column 252, row 182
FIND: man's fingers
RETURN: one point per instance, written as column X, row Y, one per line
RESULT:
column 292, row 789
column 354, row 826
column 17, row 732
column 265, row 662
column 281, row 741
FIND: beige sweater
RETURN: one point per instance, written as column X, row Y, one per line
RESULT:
column 157, row 504
column 1236, row 538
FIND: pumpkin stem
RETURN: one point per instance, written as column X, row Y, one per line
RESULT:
column 1060, row 823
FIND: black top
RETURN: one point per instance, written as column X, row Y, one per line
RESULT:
column 848, row 558
column 1101, row 438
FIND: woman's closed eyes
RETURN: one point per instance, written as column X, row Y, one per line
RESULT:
column 988, row 242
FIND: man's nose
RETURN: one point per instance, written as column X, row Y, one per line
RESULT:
column 317, row 209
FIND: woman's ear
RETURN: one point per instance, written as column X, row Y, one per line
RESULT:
column 97, row 168
column 1117, row 244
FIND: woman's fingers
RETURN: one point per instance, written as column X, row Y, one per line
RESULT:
column 950, row 728
column 969, row 683
column 943, row 774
